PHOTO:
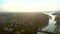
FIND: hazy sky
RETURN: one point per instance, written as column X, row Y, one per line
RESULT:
column 29, row 5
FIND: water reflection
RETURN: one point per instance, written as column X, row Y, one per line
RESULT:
column 51, row 26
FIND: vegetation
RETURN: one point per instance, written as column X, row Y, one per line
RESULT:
column 22, row 23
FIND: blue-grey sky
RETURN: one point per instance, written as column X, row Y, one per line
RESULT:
column 29, row 5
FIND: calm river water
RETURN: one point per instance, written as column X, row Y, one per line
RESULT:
column 51, row 26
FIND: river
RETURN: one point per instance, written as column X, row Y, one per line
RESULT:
column 51, row 26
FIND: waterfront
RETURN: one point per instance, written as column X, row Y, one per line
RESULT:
column 51, row 26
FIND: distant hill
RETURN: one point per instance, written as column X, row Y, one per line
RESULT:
column 56, row 13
